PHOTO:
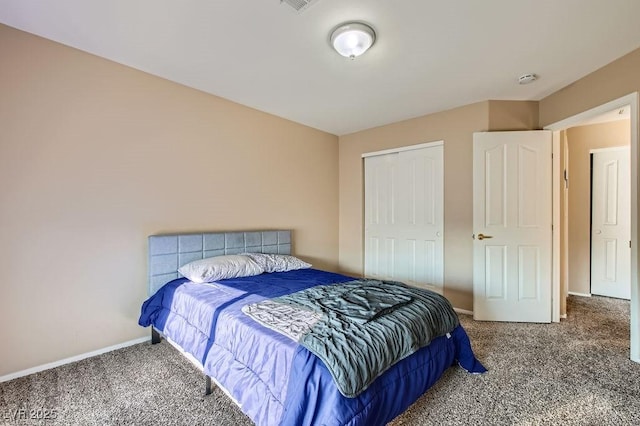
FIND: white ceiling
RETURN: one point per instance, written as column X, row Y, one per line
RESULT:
column 430, row 55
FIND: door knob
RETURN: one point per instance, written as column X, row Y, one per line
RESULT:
column 482, row 236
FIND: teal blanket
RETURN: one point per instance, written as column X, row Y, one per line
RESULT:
column 360, row 328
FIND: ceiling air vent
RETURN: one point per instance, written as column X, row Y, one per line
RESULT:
column 299, row 5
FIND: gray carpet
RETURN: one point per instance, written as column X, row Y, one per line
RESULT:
column 573, row 373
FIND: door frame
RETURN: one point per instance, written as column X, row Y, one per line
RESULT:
column 403, row 148
column 632, row 100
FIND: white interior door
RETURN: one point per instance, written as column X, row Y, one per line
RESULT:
column 611, row 223
column 404, row 220
column 512, row 219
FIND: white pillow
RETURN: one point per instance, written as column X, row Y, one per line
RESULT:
column 220, row 267
column 277, row 262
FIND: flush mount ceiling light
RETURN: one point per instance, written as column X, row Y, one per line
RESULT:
column 352, row 39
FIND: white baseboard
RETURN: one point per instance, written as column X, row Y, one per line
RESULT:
column 463, row 311
column 55, row 364
column 573, row 293
column 563, row 316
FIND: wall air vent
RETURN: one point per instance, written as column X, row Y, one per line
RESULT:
column 299, row 5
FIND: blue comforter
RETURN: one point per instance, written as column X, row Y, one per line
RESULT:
column 272, row 378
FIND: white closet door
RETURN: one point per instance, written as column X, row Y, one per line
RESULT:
column 380, row 216
column 404, row 221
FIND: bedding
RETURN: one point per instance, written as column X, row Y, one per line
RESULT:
column 275, row 380
column 360, row 328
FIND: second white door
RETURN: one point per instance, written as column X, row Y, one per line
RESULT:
column 610, row 224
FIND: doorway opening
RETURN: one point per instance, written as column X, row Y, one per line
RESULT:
column 558, row 174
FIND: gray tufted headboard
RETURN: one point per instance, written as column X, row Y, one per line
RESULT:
column 168, row 252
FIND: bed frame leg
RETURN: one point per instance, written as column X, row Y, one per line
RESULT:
column 155, row 336
column 207, row 386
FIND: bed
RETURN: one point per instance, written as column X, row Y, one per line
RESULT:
column 274, row 379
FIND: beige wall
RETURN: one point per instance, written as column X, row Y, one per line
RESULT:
column 610, row 82
column 513, row 115
column 580, row 141
column 455, row 127
column 95, row 156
